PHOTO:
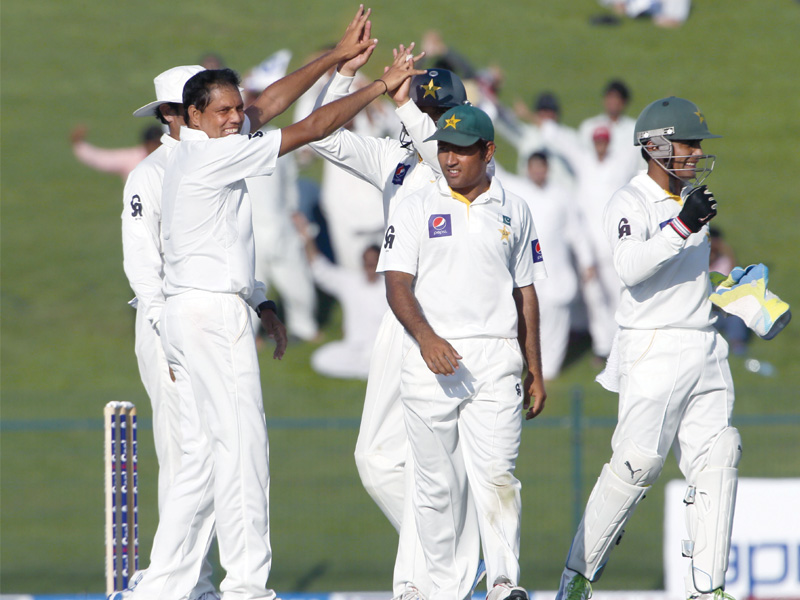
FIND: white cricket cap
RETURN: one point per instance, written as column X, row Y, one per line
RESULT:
column 169, row 88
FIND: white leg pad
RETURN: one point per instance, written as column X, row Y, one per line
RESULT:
column 621, row 486
column 610, row 505
column 710, row 505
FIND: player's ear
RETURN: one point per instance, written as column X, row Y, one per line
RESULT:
column 489, row 151
column 194, row 116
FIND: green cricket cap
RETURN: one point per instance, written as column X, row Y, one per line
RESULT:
column 463, row 126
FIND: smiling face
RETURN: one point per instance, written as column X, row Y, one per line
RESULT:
column 223, row 116
column 464, row 167
column 685, row 156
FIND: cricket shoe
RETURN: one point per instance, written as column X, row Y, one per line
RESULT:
column 410, row 593
column 126, row 593
column 717, row 594
column 501, row 591
column 574, row 586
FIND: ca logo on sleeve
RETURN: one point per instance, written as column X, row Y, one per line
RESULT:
column 136, row 206
column 624, row 228
column 388, row 239
column 439, row 226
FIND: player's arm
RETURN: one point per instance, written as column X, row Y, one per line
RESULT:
column 528, row 334
column 325, row 120
column 638, row 256
column 438, row 354
column 141, row 241
column 283, row 93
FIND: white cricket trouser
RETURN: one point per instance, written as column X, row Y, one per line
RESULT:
column 554, row 336
column 464, row 431
column 224, row 470
column 165, row 403
column 675, row 391
column 384, row 459
column 341, row 359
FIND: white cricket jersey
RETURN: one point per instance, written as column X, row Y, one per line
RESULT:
column 383, row 162
column 665, row 278
column 206, row 214
column 466, row 258
column 142, row 253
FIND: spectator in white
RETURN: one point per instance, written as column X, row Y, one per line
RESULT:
column 522, row 128
column 598, row 176
column 362, row 297
column 616, row 98
column 280, row 261
column 665, row 13
column 561, row 232
column 119, row 161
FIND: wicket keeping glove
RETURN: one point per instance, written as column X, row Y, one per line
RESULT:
column 699, row 208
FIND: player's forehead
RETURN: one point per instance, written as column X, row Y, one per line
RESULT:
column 224, row 97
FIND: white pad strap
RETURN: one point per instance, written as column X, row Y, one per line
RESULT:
column 710, row 505
column 611, row 503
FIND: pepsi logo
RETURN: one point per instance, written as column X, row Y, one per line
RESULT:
column 439, row 222
column 538, row 247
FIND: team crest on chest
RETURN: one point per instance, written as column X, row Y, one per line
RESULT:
column 439, row 226
column 400, row 173
column 504, row 233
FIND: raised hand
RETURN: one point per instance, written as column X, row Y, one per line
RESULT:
column 356, row 37
column 350, row 67
column 401, row 94
column 402, row 68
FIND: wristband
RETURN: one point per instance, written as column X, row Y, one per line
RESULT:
column 384, row 85
column 681, row 229
column 268, row 305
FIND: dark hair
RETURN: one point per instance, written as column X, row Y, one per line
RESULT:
column 620, row 88
column 175, row 108
column 538, row 155
column 197, row 91
column 151, row 133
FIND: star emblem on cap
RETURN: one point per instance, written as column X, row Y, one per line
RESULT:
column 430, row 89
column 451, row 122
column 504, row 233
column 700, row 116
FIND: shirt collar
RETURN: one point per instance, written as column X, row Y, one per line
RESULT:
column 187, row 133
column 654, row 191
column 495, row 193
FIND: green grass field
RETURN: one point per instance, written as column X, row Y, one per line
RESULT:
column 67, row 334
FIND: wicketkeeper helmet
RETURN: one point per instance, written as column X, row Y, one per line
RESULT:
column 673, row 119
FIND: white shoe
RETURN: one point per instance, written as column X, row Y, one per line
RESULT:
column 410, row 593
column 574, row 586
column 718, row 594
column 505, row 590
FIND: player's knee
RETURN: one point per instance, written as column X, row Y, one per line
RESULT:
column 635, row 466
column 726, row 450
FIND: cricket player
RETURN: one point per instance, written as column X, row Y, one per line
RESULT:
column 223, row 479
column 675, row 386
column 143, row 262
column 396, row 168
column 460, row 258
